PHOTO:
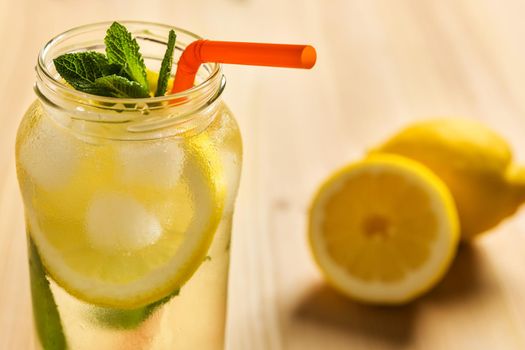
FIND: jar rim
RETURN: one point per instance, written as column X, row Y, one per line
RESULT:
column 183, row 113
column 214, row 69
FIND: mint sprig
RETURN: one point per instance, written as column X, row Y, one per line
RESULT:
column 120, row 73
column 91, row 72
column 123, row 49
column 81, row 69
column 117, row 86
column 45, row 310
column 128, row 318
column 165, row 68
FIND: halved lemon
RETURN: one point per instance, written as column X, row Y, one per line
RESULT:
column 126, row 244
column 383, row 230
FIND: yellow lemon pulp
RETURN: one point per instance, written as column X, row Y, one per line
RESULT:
column 383, row 230
column 110, row 262
column 473, row 161
column 153, row 77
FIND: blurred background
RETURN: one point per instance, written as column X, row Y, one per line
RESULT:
column 381, row 64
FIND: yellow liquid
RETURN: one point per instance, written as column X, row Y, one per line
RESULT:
column 119, row 210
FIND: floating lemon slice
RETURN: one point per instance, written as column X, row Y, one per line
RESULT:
column 119, row 244
column 383, row 230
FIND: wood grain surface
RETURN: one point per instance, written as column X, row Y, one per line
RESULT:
column 381, row 64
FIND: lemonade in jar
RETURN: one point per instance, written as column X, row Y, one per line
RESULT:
column 128, row 193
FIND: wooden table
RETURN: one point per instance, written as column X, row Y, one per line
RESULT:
column 382, row 64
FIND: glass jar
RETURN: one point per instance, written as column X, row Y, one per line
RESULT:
column 128, row 204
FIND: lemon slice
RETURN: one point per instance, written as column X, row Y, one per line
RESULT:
column 153, row 77
column 383, row 230
column 126, row 244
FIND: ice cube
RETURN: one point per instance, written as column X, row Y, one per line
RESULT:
column 116, row 221
column 49, row 154
column 157, row 164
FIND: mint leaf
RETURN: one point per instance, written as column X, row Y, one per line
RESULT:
column 121, row 74
column 116, row 86
column 129, row 319
column 123, row 49
column 45, row 310
column 165, row 68
column 91, row 72
column 81, row 69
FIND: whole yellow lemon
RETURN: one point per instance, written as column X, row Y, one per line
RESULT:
column 473, row 161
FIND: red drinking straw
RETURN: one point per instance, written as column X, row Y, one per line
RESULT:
column 253, row 54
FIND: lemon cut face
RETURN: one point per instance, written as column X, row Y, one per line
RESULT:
column 129, row 243
column 383, row 230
